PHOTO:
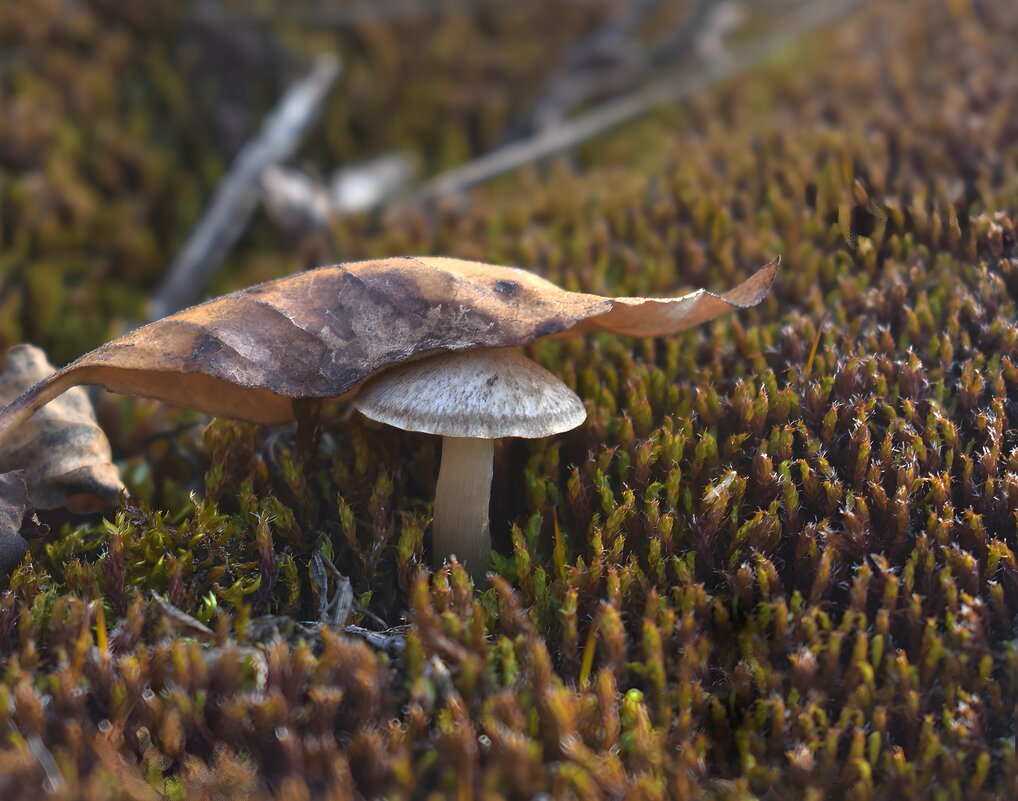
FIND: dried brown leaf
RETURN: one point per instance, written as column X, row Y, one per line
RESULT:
column 64, row 453
column 14, row 505
column 322, row 333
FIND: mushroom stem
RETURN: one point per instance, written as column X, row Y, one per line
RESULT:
column 460, row 524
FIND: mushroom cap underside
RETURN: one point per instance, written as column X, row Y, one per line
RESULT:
column 484, row 394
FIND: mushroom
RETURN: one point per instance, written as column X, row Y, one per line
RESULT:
column 331, row 332
column 469, row 398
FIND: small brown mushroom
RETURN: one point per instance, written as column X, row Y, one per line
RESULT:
column 470, row 398
column 330, row 332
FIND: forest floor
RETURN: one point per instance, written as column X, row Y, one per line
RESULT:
column 778, row 561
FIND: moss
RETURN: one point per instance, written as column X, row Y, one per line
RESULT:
column 777, row 561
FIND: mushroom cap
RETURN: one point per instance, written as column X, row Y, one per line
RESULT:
column 485, row 394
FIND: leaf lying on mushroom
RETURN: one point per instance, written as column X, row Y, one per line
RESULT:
column 322, row 333
column 64, row 453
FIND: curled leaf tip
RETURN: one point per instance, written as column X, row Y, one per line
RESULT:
column 652, row 317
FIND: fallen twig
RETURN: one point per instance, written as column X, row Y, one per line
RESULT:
column 277, row 628
column 348, row 14
column 611, row 60
column 298, row 203
column 392, row 641
column 607, row 46
column 334, row 608
column 236, row 197
column 703, row 31
column 571, row 133
column 294, row 201
column 180, row 617
column 54, row 781
column 361, row 187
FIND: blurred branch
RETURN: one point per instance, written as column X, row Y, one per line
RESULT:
column 237, row 195
column 342, row 14
column 181, row 618
column 785, row 30
column 298, row 203
column 613, row 60
column 361, row 187
column 607, row 48
column 702, row 31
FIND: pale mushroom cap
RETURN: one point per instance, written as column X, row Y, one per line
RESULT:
column 486, row 393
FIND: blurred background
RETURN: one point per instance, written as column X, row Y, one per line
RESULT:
column 119, row 123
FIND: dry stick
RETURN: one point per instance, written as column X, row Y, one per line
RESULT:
column 236, row 197
column 297, row 202
column 705, row 18
column 571, row 84
column 571, row 133
column 355, row 13
column 575, row 88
